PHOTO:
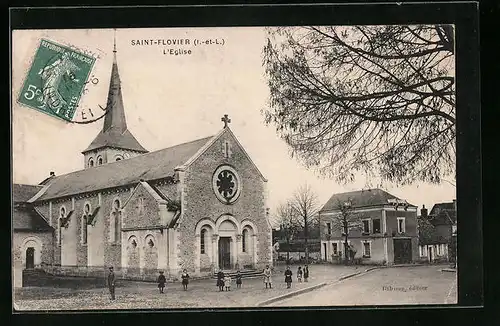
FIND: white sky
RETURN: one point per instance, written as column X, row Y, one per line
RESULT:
column 173, row 99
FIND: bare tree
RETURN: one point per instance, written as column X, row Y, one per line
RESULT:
column 305, row 204
column 373, row 99
column 288, row 222
column 345, row 221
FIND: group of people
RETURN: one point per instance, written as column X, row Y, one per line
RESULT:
column 223, row 281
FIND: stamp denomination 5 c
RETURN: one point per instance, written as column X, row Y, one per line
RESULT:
column 56, row 80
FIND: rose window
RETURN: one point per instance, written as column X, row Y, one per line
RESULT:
column 226, row 184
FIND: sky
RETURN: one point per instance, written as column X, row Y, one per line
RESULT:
column 171, row 99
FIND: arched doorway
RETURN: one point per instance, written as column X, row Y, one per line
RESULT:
column 225, row 252
column 30, row 258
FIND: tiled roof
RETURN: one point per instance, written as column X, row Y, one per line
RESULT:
column 360, row 198
column 21, row 193
column 443, row 213
column 149, row 166
column 116, row 139
column 26, row 218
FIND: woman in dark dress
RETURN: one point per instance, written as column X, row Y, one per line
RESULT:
column 220, row 280
column 161, row 281
column 185, row 279
column 288, row 277
column 238, row 280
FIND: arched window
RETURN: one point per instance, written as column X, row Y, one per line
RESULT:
column 91, row 162
column 86, row 213
column 99, row 161
column 244, row 239
column 202, row 240
column 62, row 214
column 151, row 244
column 115, row 222
column 118, row 159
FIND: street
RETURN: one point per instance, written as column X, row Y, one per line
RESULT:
column 386, row 286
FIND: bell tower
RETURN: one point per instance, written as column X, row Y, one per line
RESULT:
column 114, row 142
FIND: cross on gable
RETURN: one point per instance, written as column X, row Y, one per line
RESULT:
column 226, row 120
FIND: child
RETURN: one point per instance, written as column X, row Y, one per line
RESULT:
column 185, row 279
column 267, row 277
column 220, row 280
column 161, row 281
column 299, row 274
column 306, row 273
column 227, row 282
column 288, row 277
column 238, row 280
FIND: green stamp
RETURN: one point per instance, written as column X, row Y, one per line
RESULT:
column 56, row 80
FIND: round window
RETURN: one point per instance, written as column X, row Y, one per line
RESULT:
column 226, row 184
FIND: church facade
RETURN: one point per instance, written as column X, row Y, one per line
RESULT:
column 199, row 206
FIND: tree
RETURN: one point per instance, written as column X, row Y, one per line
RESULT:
column 345, row 221
column 305, row 204
column 288, row 222
column 379, row 100
column 426, row 230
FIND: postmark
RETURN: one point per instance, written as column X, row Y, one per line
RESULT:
column 56, row 81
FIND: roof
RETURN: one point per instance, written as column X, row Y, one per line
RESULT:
column 443, row 213
column 114, row 132
column 22, row 193
column 149, row 166
column 26, row 218
column 361, row 198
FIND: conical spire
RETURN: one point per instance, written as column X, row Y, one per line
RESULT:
column 114, row 131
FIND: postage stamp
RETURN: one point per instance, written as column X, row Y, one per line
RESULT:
column 56, row 80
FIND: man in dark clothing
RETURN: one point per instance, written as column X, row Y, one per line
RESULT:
column 111, row 283
column 161, row 281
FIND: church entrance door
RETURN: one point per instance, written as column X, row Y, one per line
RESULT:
column 30, row 258
column 225, row 253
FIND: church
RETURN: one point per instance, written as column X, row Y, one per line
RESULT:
column 199, row 206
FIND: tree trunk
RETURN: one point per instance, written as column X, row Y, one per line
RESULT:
column 305, row 241
column 287, row 250
column 346, row 243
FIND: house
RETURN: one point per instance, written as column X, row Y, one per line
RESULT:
column 32, row 238
column 438, row 242
column 380, row 226
column 199, row 206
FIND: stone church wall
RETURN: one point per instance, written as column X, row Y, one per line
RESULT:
column 135, row 215
column 45, row 239
column 201, row 202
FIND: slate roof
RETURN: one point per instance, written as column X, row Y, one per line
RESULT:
column 149, row 166
column 443, row 213
column 21, row 192
column 360, row 198
column 114, row 132
column 26, row 218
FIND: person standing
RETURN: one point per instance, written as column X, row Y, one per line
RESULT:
column 161, row 281
column 220, row 280
column 288, row 277
column 227, row 282
column 306, row 273
column 111, row 283
column 299, row 274
column 268, row 277
column 185, row 279
column 238, row 280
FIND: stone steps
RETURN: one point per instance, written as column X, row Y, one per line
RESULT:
column 244, row 274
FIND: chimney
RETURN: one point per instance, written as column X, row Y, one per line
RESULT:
column 423, row 212
column 52, row 174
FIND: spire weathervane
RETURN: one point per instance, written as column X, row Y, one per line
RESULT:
column 226, row 120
